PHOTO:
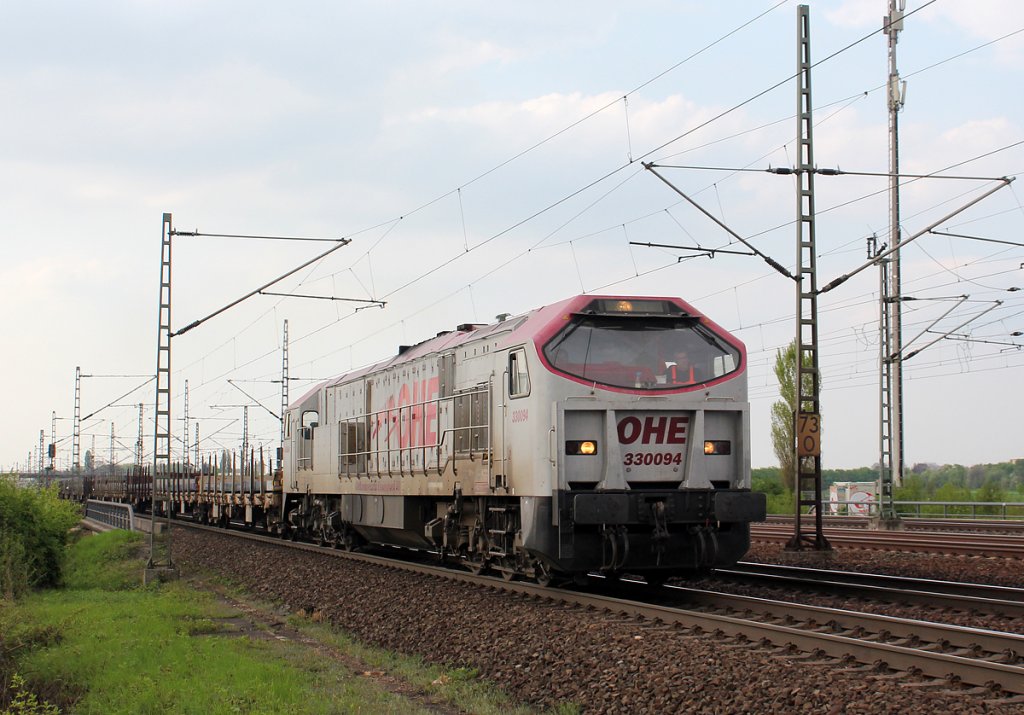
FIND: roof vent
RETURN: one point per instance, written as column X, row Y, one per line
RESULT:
column 469, row 327
column 404, row 348
column 502, row 317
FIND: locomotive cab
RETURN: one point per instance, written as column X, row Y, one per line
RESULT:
column 652, row 467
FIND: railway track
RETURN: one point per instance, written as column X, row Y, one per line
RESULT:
column 983, row 598
column 970, row 655
column 918, row 523
column 944, row 652
column 1004, row 545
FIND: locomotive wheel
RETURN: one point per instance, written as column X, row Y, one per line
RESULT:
column 349, row 540
column 542, row 574
column 476, row 564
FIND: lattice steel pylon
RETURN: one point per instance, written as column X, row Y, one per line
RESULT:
column 886, row 388
column 184, row 419
column 140, row 444
column 160, row 534
column 807, row 418
column 245, row 442
column 284, row 396
column 76, row 427
column 52, row 451
column 42, row 447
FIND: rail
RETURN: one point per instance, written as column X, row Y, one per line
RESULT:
column 962, row 510
column 119, row 516
column 1002, row 510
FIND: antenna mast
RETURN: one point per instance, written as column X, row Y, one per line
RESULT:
column 890, row 379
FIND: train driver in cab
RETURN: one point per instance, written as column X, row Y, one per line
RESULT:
column 679, row 371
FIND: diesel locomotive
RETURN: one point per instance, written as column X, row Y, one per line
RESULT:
column 600, row 433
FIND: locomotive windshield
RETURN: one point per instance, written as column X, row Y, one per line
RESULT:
column 647, row 352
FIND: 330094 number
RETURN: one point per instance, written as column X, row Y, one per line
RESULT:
column 647, row 459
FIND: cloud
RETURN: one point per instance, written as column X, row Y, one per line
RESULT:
column 39, row 279
column 982, row 21
column 468, row 54
column 120, row 114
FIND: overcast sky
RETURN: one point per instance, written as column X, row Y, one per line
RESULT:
column 485, row 158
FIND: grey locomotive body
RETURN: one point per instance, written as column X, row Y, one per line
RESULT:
column 599, row 433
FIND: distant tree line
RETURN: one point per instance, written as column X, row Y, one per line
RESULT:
column 1003, row 481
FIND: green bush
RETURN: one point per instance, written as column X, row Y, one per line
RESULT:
column 780, row 499
column 25, row 702
column 34, row 525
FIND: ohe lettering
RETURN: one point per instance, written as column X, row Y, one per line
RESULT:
column 653, row 430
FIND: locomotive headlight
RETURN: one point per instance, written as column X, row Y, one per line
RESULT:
column 585, row 447
column 717, row 446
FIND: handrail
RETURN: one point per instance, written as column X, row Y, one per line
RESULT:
column 919, row 509
column 120, row 516
column 383, row 440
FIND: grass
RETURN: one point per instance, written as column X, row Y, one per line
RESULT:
column 460, row 687
column 106, row 644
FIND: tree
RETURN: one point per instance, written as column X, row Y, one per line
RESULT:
column 913, row 488
column 990, row 491
column 976, row 476
column 89, row 462
column 783, row 438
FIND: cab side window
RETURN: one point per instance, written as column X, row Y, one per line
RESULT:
column 518, row 374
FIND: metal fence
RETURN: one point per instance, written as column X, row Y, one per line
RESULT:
column 119, row 516
column 932, row 509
